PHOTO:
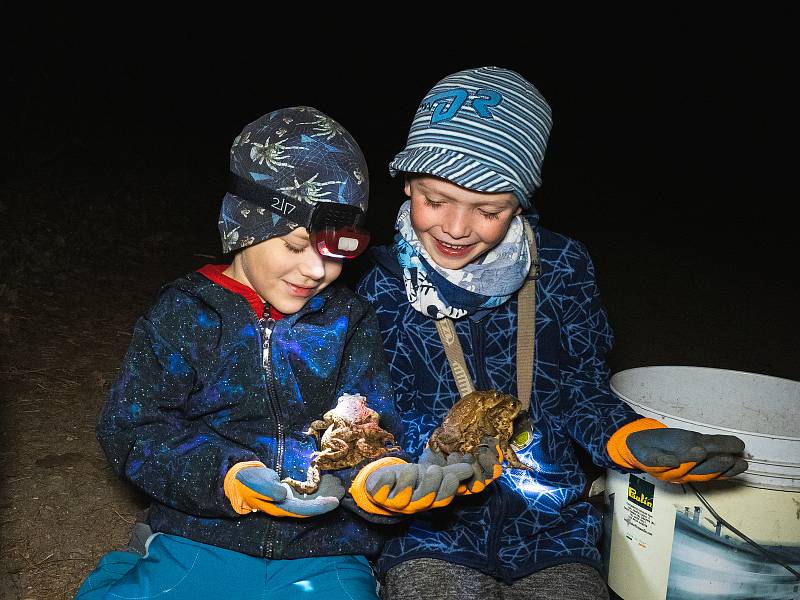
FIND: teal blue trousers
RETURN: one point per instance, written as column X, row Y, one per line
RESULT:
column 176, row 567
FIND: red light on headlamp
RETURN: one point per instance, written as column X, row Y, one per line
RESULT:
column 345, row 242
column 334, row 231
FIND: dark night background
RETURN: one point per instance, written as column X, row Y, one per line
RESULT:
column 672, row 158
column 669, row 156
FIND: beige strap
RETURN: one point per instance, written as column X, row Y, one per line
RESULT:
column 526, row 332
column 526, row 323
column 455, row 356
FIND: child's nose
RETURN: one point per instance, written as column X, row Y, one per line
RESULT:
column 456, row 223
column 312, row 266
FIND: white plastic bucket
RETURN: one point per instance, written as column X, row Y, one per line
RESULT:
column 661, row 541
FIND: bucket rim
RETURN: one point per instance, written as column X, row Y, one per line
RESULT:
column 622, row 396
column 702, row 368
column 719, row 427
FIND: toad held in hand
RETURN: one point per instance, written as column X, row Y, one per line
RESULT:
column 479, row 415
column 350, row 434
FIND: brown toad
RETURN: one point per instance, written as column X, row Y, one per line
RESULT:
column 478, row 415
column 350, row 433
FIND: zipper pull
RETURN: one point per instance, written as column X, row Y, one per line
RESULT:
column 267, row 325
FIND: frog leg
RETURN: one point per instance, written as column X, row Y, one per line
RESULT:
column 334, row 448
column 386, row 437
column 389, row 439
column 310, row 485
column 315, row 428
column 512, row 459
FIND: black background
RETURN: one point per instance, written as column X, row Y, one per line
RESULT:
column 671, row 157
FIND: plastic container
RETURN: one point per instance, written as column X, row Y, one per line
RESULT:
column 661, row 540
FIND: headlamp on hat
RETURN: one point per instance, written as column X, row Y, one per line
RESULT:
column 333, row 228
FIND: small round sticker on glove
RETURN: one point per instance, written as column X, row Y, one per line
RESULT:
column 523, row 434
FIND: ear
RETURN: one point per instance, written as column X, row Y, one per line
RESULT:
column 236, row 270
column 407, row 186
column 518, row 210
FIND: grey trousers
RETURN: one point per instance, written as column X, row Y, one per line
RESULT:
column 432, row 579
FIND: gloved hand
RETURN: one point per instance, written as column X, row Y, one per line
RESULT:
column 251, row 486
column 676, row 455
column 487, row 467
column 391, row 486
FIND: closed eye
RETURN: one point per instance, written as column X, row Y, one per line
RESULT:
column 430, row 203
column 292, row 249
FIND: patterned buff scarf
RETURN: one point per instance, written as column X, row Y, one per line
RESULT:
column 438, row 292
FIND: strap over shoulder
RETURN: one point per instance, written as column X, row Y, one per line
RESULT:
column 526, row 334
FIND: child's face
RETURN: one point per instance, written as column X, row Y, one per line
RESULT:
column 457, row 225
column 285, row 271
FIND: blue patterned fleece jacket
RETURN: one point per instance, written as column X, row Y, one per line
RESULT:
column 193, row 398
column 524, row 521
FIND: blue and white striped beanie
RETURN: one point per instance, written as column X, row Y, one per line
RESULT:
column 484, row 129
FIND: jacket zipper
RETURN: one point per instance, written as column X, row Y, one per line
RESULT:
column 266, row 325
column 496, row 504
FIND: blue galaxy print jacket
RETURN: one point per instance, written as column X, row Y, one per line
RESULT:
column 524, row 521
column 193, row 398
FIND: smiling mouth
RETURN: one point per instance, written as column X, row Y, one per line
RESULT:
column 299, row 290
column 453, row 249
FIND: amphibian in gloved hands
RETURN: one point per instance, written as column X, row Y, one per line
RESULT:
column 475, row 417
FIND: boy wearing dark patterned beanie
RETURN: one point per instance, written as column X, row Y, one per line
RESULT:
column 212, row 412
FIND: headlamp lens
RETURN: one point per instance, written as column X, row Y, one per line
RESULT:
column 345, row 242
column 335, row 232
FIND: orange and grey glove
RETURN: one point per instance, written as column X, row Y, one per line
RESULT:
column 676, row 455
column 487, row 465
column 251, row 486
column 391, row 486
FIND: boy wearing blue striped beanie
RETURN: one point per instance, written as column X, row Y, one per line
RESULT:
column 468, row 255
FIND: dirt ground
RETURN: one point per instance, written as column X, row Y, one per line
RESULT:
column 66, row 317
column 83, row 257
column 61, row 505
